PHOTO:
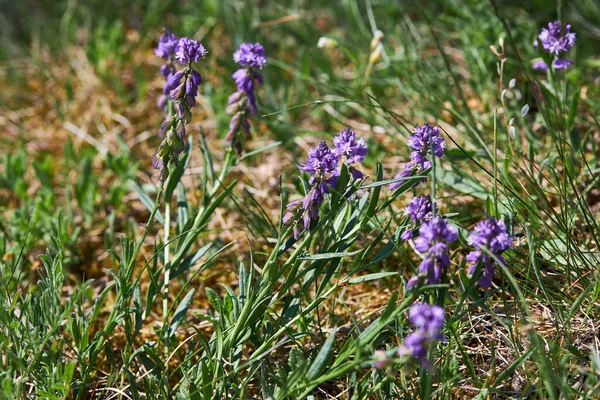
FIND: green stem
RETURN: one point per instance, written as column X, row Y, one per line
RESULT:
column 138, row 247
column 433, row 205
column 115, row 311
column 496, row 164
column 167, row 276
column 189, row 239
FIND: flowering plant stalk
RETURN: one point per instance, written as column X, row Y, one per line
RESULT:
column 323, row 166
column 242, row 103
column 178, row 98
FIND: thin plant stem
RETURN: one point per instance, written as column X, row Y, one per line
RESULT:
column 433, row 181
column 167, row 275
column 138, row 247
column 496, row 163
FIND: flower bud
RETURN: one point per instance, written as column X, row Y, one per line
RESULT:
column 157, row 161
column 326, row 43
column 176, row 93
column 165, row 70
column 177, row 144
column 406, row 235
column 162, row 101
column 287, row 218
column 234, row 124
column 180, row 130
column 381, row 359
column 190, row 100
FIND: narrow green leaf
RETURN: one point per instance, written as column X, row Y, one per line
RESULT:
column 323, row 357
column 182, row 207
column 190, row 261
column 145, row 199
column 180, row 312
column 327, row 256
column 262, row 149
column 371, row 277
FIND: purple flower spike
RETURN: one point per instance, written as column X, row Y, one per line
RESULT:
column 432, row 241
column 179, row 96
column 350, row 150
column 189, row 51
column 166, row 44
column 322, row 165
column 428, row 321
column 490, row 234
column 250, row 55
column 425, row 139
column 427, row 135
column 557, row 42
column 419, row 209
column 347, row 146
column 436, row 231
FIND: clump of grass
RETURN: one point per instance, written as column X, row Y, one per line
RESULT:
column 471, row 273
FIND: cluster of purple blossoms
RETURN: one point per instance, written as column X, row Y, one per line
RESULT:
column 323, row 166
column 166, row 44
column 556, row 43
column 189, row 51
column 419, row 209
column 424, row 140
column 350, row 150
column 432, row 241
column 243, row 102
column 428, row 321
column 166, row 49
column 488, row 234
column 179, row 96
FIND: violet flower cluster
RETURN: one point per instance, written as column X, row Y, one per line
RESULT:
column 488, row 234
column 433, row 240
column 242, row 103
column 424, row 140
column 323, row 166
column 556, row 42
column 350, row 150
column 428, row 321
column 419, row 209
column 179, row 95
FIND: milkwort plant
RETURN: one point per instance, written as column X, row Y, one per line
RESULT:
column 242, row 104
column 178, row 98
column 323, row 166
